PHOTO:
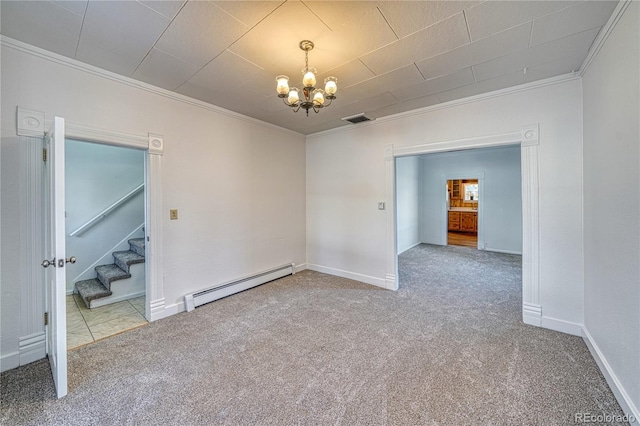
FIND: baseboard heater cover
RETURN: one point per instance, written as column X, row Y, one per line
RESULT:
column 192, row 301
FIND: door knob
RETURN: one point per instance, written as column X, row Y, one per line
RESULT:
column 71, row 260
column 46, row 263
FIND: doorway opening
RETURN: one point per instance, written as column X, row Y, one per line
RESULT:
column 105, row 223
column 462, row 199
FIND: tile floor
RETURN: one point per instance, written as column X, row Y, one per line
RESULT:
column 85, row 325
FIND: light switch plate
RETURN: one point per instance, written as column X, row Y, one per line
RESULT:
column 173, row 214
column 381, row 205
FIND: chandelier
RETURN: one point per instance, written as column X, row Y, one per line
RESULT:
column 312, row 98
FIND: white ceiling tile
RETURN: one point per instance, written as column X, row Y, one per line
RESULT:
column 249, row 12
column 388, row 82
column 42, row 24
column 163, row 70
column 115, row 27
column 400, row 107
column 572, row 20
column 493, row 16
column 349, row 74
column 168, row 8
column 435, row 85
column 102, row 58
column 495, row 46
column 568, row 46
column 563, row 66
column 275, row 40
column 501, row 82
column 200, row 32
column 225, row 72
column 406, row 17
column 357, row 27
column 76, row 6
column 195, row 91
column 436, row 39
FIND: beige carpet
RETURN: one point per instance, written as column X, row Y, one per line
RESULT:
column 448, row 348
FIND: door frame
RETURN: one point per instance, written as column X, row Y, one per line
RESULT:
column 528, row 139
column 30, row 127
column 480, row 210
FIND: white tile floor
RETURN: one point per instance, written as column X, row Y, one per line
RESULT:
column 85, row 325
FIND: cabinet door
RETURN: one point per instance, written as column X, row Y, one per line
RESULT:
column 454, row 221
column 467, row 222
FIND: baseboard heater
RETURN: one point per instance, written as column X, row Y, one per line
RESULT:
column 194, row 300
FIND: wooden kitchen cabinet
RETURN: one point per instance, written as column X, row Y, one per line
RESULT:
column 454, row 221
column 469, row 221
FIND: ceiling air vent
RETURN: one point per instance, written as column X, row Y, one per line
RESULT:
column 358, row 118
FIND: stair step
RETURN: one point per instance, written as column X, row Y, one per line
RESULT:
column 109, row 273
column 90, row 290
column 124, row 259
column 137, row 245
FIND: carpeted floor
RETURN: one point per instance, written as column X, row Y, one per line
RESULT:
column 448, row 348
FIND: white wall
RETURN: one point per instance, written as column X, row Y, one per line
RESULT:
column 96, row 177
column 239, row 185
column 346, row 233
column 408, row 202
column 501, row 197
column 611, row 93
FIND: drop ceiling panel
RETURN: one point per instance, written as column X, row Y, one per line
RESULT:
column 435, row 85
column 42, row 24
column 200, row 32
column 563, row 66
column 575, row 19
column 501, row 44
column 275, row 39
column 225, row 72
column 97, row 55
column 417, row 103
column 76, row 6
column 350, row 73
column 438, row 38
column 163, row 70
column 406, row 17
column 501, row 82
column 168, row 8
column 548, row 52
column 205, row 94
column 115, row 27
column 491, row 17
column 336, row 14
column 249, row 12
column 388, row 82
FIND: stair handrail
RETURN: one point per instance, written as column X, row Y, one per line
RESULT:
column 91, row 222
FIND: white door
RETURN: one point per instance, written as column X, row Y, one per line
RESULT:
column 55, row 260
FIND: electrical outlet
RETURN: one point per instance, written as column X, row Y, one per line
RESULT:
column 173, row 214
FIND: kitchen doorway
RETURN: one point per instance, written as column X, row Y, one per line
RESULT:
column 462, row 199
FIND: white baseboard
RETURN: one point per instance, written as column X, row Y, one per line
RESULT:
column 502, row 251
column 625, row 401
column 562, row 326
column 532, row 314
column 378, row 282
column 409, row 248
column 9, row 361
column 299, row 268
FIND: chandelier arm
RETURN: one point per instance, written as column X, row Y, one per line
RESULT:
column 296, row 108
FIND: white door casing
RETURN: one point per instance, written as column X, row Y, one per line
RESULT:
column 528, row 139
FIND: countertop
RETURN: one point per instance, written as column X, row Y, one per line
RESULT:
column 462, row 209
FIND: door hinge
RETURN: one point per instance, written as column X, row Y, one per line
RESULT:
column 44, row 154
column 46, row 318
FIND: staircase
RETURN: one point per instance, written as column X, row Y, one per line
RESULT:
column 96, row 291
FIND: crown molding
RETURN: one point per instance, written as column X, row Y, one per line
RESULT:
column 454, row 103
column 604, row 34
column 90, row 69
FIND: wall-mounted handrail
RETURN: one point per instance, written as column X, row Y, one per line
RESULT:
column 106, row 212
